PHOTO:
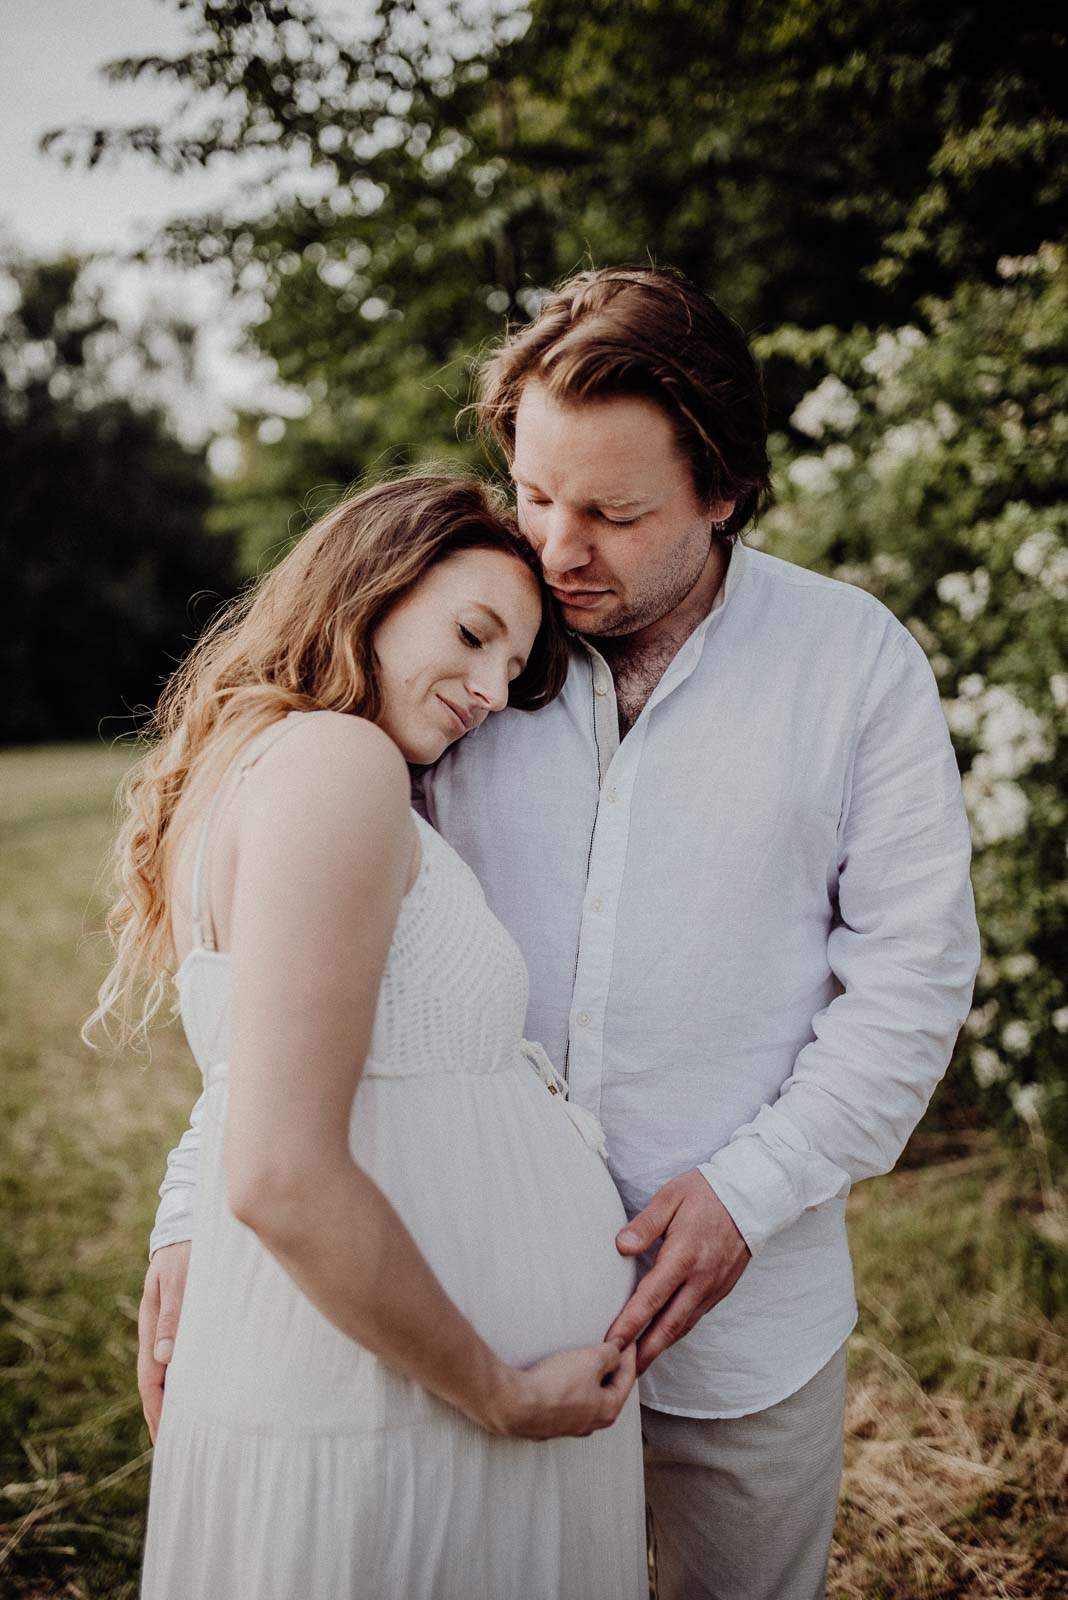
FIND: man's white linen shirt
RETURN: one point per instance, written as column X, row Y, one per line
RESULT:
column 750, row 935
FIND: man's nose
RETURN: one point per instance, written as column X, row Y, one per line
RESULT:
column 564, row 544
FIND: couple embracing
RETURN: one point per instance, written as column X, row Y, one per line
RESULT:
column 557, row 1081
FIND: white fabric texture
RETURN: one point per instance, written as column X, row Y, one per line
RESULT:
column 750, row 935
column 292, row 1462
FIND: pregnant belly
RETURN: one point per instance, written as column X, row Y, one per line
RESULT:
column 512, row 1209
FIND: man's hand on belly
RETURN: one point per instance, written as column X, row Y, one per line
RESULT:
column 701, row 1259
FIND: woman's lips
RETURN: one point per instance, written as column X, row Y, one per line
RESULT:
column 455, row 716
column 582, row 598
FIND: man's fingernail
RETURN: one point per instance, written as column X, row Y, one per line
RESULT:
column 629, row 1238
column 164, row 1349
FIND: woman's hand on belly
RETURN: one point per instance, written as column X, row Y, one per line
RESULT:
column 570, row 1394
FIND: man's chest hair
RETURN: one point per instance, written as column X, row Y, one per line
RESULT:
column 636, row 673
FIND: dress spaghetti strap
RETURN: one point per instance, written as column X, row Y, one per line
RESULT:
column 203, row 926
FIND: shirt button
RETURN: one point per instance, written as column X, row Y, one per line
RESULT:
column 600, row 686
column 583, row 1019
column 597, row 904
column 612, row 796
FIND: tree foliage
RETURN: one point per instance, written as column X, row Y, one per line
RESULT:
column 102, row 530
column 428, row 173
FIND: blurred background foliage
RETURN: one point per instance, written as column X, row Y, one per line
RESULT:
column 812, row 164
column 103, row 532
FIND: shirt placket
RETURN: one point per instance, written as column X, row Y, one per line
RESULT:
column 618, row 762
column 617, row 765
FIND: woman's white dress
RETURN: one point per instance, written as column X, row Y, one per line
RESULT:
column 291, row 1464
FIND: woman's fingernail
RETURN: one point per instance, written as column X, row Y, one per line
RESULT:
column 164, row 1350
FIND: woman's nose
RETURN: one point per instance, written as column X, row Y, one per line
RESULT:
column 490, row 685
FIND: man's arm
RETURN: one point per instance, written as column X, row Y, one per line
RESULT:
column 905, row 948
column 174, row 1214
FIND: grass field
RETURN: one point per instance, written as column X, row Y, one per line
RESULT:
column 957, row 1452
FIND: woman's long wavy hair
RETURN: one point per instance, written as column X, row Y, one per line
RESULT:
column 301, row 639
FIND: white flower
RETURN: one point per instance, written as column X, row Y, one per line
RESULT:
column 1058, row 688
column 1017, row 266
column 1027, row 1101
column 1031, row 556
column 811, row 475
column 892, row 351
column 962, row 717
column 1013, row 738
column 829, row 405
column 839, row 457
column 997, row 810
column 969, row 592
column 1016, row 1037
column 854, row 572
column 1054, row 575
column 1020, row 966
column 988, row 1066
column 1059, row 1019
column 902, row 443
column 981, row 1019
column 887, row 565
column 945, row 419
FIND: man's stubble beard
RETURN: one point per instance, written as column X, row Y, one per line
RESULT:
column 679, row 580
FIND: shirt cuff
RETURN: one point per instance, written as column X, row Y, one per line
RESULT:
column 760, row 1192
column 173, row 1223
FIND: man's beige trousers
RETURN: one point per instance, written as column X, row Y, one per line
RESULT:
column 743, row 1508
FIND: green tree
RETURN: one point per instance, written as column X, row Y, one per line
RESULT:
column 813, row 164
column 102, row 520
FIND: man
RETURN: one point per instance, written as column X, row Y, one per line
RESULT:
column 735, row 856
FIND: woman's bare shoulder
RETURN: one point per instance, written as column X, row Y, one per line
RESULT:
column 336, row 766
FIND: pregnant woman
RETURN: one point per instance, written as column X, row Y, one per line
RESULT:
column 390, row 1379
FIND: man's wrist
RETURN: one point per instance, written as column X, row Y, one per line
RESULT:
column 735, row 1185
column 160, row 1238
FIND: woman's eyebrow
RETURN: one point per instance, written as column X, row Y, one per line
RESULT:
column 494, row 618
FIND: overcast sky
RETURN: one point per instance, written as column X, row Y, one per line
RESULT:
column 49, row 77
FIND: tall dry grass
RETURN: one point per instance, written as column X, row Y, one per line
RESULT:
column 956, row 1477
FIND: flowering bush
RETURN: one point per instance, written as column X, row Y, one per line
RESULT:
column 929, row 464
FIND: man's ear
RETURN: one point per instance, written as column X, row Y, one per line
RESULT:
column 720, row 511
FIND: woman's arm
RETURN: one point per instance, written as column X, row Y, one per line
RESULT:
column 325, row 852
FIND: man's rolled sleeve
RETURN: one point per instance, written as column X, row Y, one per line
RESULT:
column 174, row 1215
column 904, row 947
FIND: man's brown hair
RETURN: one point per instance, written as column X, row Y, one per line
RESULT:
column 643, row 331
